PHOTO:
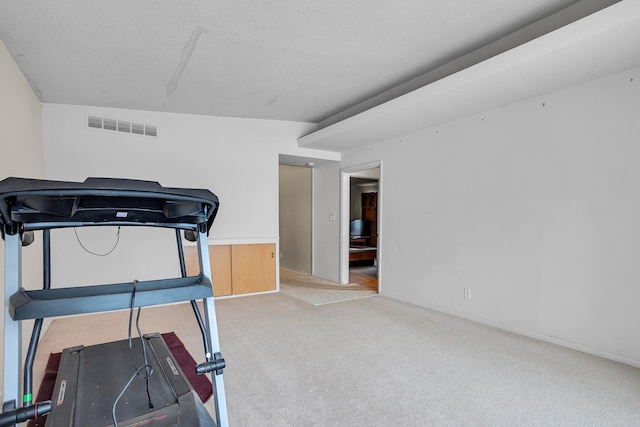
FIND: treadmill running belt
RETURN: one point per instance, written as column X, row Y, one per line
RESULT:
column 91, row 378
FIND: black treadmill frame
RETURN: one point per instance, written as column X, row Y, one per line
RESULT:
column 27, row 205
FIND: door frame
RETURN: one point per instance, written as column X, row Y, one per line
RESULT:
column 345, row 193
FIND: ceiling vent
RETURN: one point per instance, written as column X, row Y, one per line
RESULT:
column 96, row 122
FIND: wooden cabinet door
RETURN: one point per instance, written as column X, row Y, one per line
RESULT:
column 220, row 261
column 253, row 268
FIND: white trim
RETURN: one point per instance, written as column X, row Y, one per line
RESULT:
column 535, row 335
column 313, row 219
column 252, row 293
column 362, row 167
column 345, row 190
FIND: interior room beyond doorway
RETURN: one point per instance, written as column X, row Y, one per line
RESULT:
column 363, row 227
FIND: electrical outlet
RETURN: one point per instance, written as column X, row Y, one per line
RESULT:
column 467, row 293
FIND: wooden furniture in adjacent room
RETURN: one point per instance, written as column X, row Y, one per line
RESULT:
column 370, row 214
column 364, row 253
column 357, row 241
column 363, row 247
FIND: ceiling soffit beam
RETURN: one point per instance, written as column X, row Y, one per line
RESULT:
column 526, row 34
column 565, row 53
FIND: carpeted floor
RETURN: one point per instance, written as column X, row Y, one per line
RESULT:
column 379, row 362
column 316, row 291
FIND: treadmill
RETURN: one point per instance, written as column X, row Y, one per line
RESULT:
column 87, row 388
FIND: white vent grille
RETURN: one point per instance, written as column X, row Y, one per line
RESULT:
column 124, row 126
column 137, row 128
column 96, row 122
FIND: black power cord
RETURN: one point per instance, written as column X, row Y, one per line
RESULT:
column 115, row 245
column 146, row 367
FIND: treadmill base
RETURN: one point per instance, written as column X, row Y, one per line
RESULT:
column 90, row 379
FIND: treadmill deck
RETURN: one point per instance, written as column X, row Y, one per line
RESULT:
column 91, row 378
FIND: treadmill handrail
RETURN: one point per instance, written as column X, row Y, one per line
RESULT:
column 44, row 303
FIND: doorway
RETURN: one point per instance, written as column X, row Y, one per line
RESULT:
column 360, row 213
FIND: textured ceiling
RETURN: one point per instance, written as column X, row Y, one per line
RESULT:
column 300, row 60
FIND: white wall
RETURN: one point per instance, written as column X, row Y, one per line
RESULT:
column 533, row 206
column 21, row 143
column 326, row 221
column 237, row 159
column 20, row 139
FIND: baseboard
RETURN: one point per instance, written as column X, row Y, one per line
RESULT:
column 248, row 294
column 535, row 335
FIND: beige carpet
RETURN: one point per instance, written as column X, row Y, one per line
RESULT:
column 378, row 362
column 316, row 291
